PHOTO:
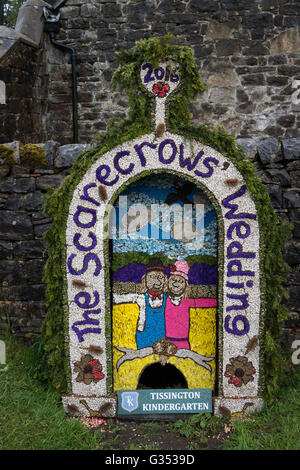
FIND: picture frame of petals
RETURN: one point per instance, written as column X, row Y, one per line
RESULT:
column 237, row 387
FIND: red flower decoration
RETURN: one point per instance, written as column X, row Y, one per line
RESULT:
column 240, row 371
column 93, row 363
column 161, row 89
column 172, row 268
column 89, row 368
column 97, row 372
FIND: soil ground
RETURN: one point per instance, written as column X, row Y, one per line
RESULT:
column 130, row 435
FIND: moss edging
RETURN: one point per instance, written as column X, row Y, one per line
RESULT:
column 273, row 231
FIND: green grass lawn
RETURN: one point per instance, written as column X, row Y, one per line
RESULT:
column 276, row 427
column 32, row 418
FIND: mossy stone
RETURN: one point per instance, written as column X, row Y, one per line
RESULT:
column 7, row 157
column 33, row 156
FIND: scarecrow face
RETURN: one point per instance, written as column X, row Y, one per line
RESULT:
column 155, row 280
column 176, row 284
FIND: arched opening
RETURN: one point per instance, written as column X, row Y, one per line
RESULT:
column 164, row 226
column 159, row 376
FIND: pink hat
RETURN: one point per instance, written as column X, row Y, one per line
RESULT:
column 181, row 268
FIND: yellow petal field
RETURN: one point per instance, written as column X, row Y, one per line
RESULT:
column 202, row 338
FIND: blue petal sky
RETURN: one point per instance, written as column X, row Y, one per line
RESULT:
column 154, row 192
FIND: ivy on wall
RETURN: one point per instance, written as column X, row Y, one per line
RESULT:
column 273, row 231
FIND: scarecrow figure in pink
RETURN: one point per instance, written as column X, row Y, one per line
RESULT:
column 177, row 311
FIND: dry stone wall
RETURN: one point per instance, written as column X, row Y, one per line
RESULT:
column 278, row 165
column 22, row 248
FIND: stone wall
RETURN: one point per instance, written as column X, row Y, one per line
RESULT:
column 22, row 224
column 22, row 248
column 247, row 52
column 23, row 115
column 278, row 165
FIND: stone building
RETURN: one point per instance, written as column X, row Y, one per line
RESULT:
column 248, row 53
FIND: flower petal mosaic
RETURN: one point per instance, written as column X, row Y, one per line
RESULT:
column 163, row 266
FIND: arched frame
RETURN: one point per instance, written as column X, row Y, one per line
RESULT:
column 87, row 270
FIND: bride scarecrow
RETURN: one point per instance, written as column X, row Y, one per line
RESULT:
column 177, row 311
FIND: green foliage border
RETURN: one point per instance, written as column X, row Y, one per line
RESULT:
column 273, row 231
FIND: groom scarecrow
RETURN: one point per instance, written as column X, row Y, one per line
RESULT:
column 151, row 323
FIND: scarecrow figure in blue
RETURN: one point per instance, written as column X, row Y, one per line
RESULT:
column 151, row 323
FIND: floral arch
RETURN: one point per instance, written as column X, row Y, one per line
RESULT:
column 78, row 326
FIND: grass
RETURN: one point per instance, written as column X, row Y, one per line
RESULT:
column 275, row 428
column 32, row 418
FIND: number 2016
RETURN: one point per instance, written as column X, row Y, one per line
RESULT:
column 159, row 73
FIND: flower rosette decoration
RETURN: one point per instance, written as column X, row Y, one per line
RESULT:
column 161, row 89
column 240, row 371
column 89, row 370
